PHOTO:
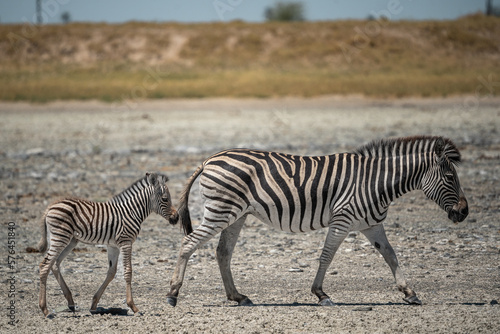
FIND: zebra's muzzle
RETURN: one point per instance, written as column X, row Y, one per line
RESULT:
column 459, row 212
column 174, row 218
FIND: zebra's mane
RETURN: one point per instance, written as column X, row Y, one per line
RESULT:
column 123, row 196
column 142, row 183
column 392, row 146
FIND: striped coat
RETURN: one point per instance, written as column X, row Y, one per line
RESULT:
column 343, row 192
column 115, row 223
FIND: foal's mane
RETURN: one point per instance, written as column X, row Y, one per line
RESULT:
column 392, row 146
column 140, row 183
column 120, row 197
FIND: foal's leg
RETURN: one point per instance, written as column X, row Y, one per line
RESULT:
column 126, row 250
column 113, row 253
column 227, row 241
column 334, row 238
column 57, row 273
column 377, row 237
column 55, row 249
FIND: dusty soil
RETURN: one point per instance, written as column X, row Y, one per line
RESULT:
column 94, row 150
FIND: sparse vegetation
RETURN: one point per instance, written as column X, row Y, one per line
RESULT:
column 285, row 11
column 148, row 60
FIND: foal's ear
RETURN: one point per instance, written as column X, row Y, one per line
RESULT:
column 439, row 147
column 152, row 178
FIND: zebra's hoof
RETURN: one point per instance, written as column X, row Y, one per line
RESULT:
column 246, row 302
column 50, row 316
column 72, row 308
column 326, row 302
column 172, row 301
column 412, row 300
column 98, row 310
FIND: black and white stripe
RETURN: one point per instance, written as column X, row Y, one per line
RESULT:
column 344, row 192
column 115, row 223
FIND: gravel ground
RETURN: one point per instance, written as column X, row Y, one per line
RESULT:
column 94, row 150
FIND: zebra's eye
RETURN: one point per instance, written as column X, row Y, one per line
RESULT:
column 449, row 176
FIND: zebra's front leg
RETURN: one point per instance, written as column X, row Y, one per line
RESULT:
column 113, row 254
column 334, row 238
column 376, row 235
column 126, row 250
column 57, row 273
column 225, row 249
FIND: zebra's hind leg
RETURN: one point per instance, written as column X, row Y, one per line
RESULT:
column 227, row 241
column 113, row 254
column 189, row 244
column 376, row 235
column 334, row 238
column 55, row 249
column 57, row 273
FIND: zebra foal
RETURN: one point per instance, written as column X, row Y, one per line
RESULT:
column 115, row 223
column 343, row 192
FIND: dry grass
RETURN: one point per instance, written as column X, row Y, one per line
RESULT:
column 148, row 60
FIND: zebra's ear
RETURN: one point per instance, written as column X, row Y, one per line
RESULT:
column 152, row 179
column 439, row 147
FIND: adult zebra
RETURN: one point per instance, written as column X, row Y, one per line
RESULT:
column 115, row 223
column 344, row 192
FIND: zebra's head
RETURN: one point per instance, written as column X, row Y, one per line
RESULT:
column 161, row 203
column 441, row 183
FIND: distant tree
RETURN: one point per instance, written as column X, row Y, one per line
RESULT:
column 66, row 17
column 285, row 11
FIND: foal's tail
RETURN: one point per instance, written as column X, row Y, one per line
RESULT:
column 43, row 243
column 183, row 208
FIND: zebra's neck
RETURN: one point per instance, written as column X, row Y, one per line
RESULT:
column 135, row 199
column 402, row 174
column 404, row 162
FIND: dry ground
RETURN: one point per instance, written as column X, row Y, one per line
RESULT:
column 94, row 150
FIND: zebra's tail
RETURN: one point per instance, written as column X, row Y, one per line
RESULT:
column 43, row 243
column 183, row 208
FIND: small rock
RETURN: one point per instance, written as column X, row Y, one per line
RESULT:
column 36, row 175
column 363, row 308
column 35, row 151
column 53, row 176
column 295, row 270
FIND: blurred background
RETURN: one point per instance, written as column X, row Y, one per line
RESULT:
column 126, row 50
